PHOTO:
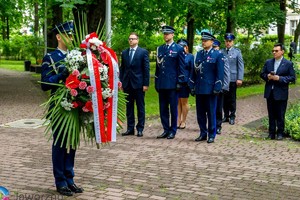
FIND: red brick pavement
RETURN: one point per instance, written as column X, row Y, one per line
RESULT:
column 239, row 165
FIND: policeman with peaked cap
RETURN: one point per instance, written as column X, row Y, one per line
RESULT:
column 208, row 80
column 216, row 44
column 184, row 91
column 54, row 71
column 169, row 76
column 225, row 88
column 236, row 65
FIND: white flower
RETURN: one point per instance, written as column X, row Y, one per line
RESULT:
column 95, row 41
column 106, row 93
column 103, row 72
column 74, row 59
column 66, row 105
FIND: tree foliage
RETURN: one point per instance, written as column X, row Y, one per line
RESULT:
column 145, row 17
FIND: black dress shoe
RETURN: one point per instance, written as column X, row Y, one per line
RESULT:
column 270, row 137
column 163, row 135
column 219, row 130
column 74, row 188
column 139, row 134
column 231, row 121
column 279, row 137
column 210, row 140
column 64, row 191
column 171, row 136
column 200, row 138
column 225, row 119
column 128, row 132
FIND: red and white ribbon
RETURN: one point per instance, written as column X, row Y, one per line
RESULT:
column 96, row 99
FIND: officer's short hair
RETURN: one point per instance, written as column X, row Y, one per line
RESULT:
column 134, row 33
column 280, row 45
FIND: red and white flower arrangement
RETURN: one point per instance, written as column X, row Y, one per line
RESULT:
column 89, row 101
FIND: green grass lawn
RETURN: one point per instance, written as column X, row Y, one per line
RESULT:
column 151, row 97
column 12, row 65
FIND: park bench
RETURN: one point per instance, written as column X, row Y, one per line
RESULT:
column 36, row 68
column 32, row 67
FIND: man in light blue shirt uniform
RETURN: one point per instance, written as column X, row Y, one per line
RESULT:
column 236, row 65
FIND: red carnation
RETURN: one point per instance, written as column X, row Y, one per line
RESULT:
column 75, row 104
column 89, row 106
column 83, row 46
column 84, row 76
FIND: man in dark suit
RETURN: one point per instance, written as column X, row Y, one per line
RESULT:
column 278, row 73
column 169, row 76
column 208, row 81
column 134, row 75
column 54, row 71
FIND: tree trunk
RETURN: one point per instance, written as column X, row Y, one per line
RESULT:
column 3, row 28
column 190, row 30
column 36, row 18
column 172, row 21
column 296, row 36
column 55, row 11
column 281, row 23
column 230, row 18
column 95, row 13
column 7, row 28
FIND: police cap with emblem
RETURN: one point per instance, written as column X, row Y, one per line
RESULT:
column 183, row 42
column 216, row 43
column 207, row 36
column 229, row 36
column 167, row 29
column 66, row 27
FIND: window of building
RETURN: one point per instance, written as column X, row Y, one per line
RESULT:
column 293, row 26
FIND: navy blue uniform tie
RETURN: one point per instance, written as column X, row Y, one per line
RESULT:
column 131, row 55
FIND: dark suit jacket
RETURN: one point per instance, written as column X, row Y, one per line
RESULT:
column 138, row 72
column 286, row 75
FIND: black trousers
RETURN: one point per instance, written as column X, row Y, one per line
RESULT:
column 276, row 114
column 219, row 111
column 230, row 101
column 138, row 96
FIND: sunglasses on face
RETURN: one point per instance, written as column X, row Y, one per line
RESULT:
column 275, row 51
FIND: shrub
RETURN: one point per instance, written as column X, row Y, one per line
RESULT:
column 292, row 121
column 21, row 47
column 34, row 47
column 6, row 49
column 254, row 59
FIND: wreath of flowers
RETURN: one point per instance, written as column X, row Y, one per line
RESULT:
column 88, row 86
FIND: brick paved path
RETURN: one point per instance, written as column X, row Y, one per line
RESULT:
column 239, row 165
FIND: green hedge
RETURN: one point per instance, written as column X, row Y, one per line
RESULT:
column 254, row 59
column 292, row 121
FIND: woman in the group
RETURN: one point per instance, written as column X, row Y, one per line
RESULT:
column 183, row 95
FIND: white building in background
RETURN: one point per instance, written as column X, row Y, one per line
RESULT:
column 292, row 20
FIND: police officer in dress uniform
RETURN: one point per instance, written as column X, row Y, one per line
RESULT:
column 236, row 65
column 208, row 80
column 184, row 91
column 53, row 71
column 169, row 76
column 216, row 46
